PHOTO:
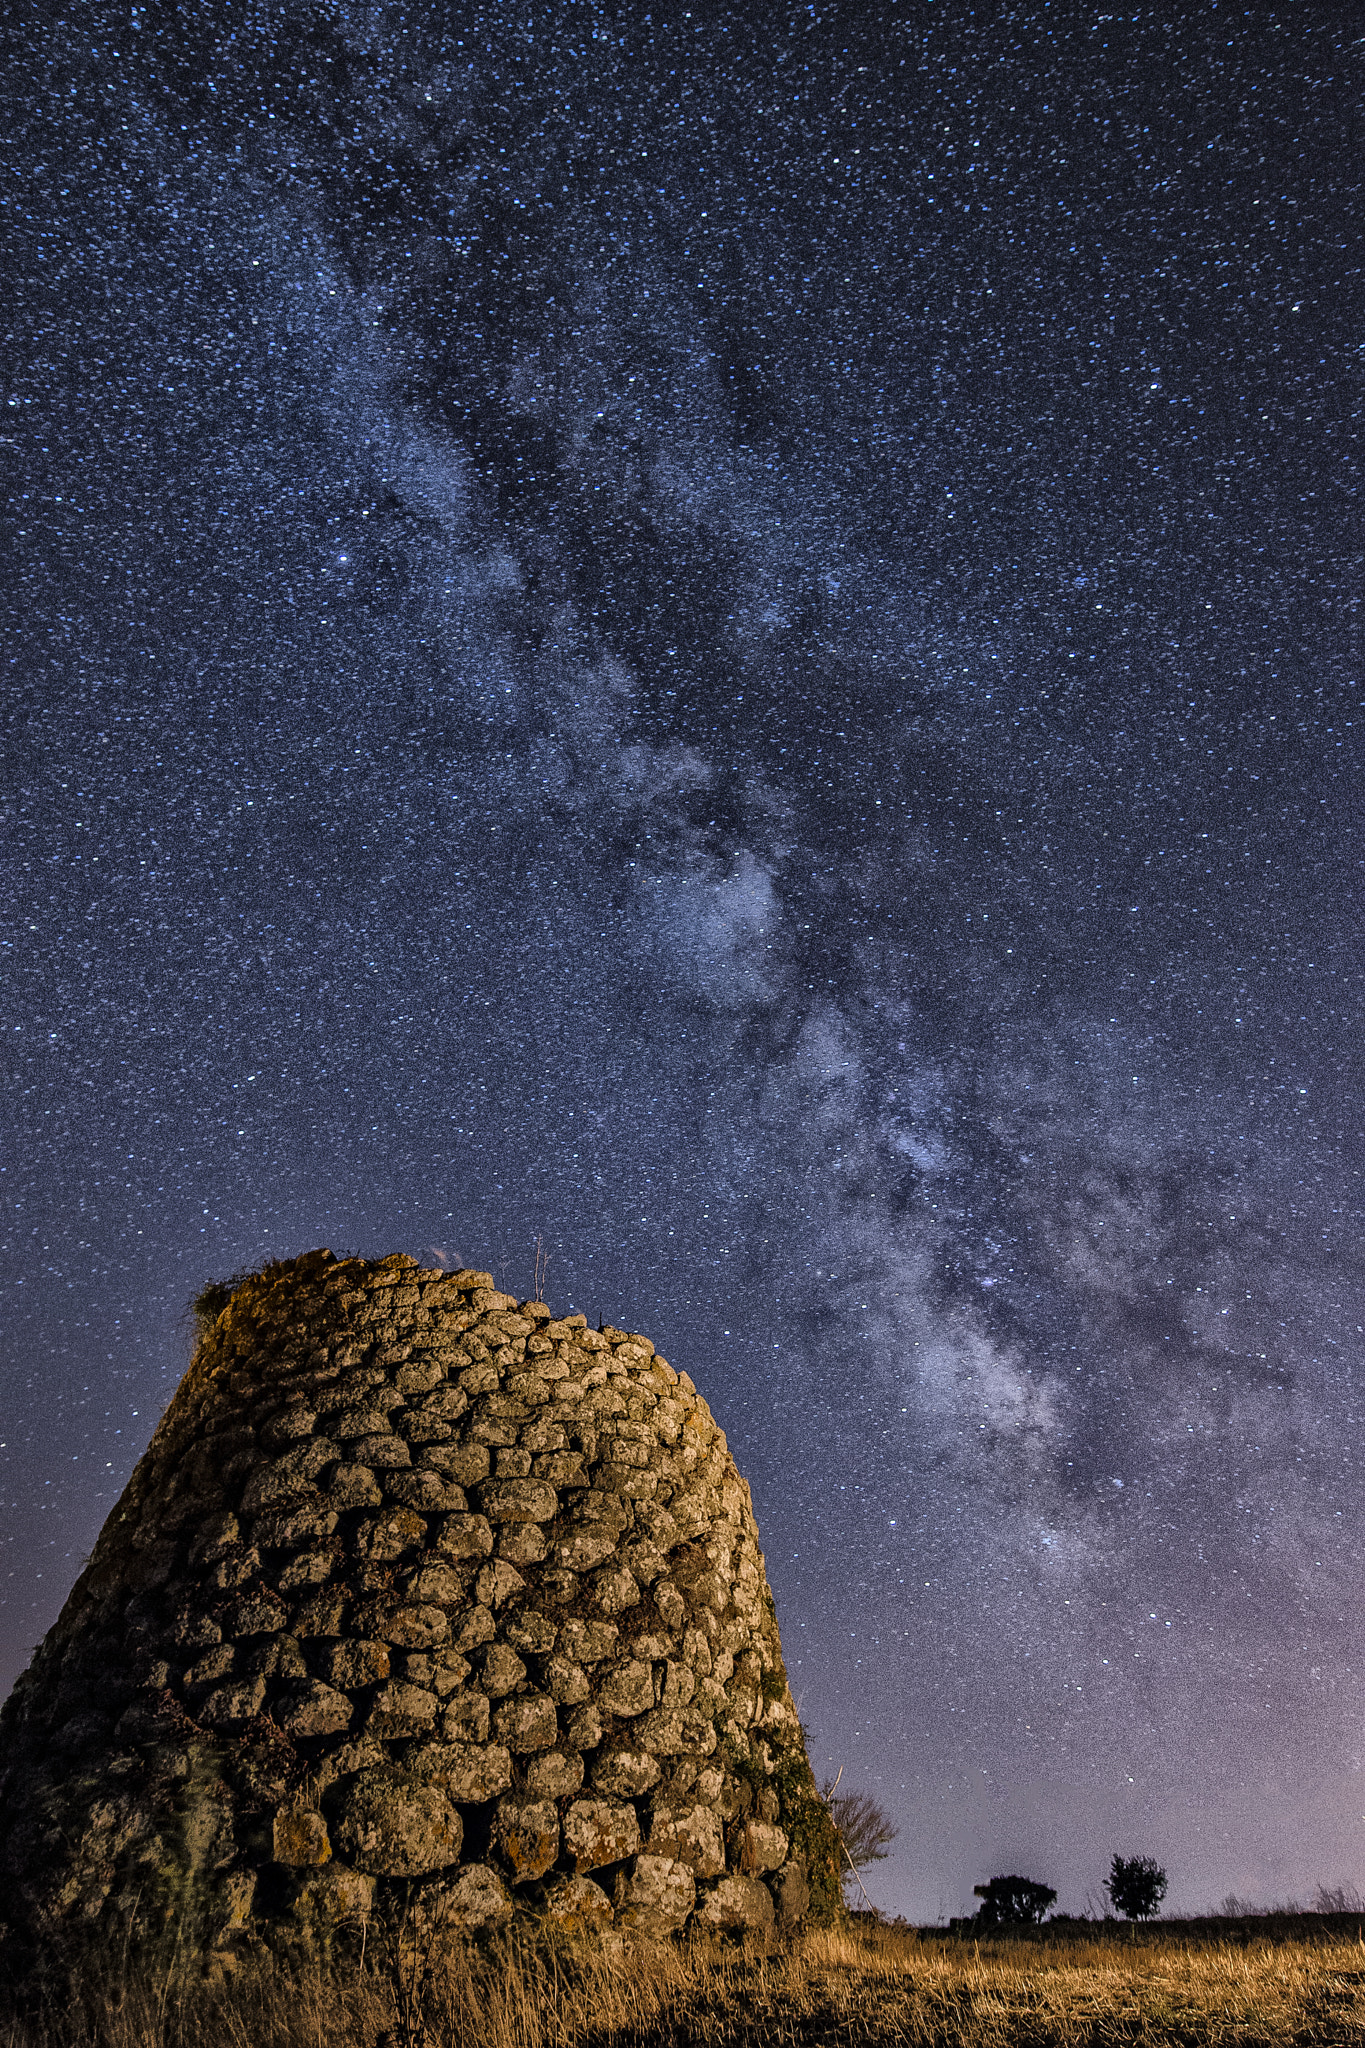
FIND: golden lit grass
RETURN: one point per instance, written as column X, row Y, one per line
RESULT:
column 1183, row 1985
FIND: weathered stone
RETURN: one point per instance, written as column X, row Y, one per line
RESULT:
column 466, row 1464
column 676, row 1731
column 584, row 1729
column 217, row 1535
column 566, row 1681
column 334, row 1897
column 419, row 1431
column 312, row 1524
column 277, row 1486
column 417, row 1379
column 81, row 1732
column 350, row 1666
column 299, row 1837
column 232, row 1704
column 522, row 1543
column 475, row 1626
column 528, row 1721
column 309, row 1568
column 401, row 1709
column 588, row 1642
column 230, row 1572
column 692, row 1835
column 343, row 1762
column 672, row 1608
column 393, row 1826
column 657, row 1896
column 389, row 1536
column 696, row 1652
column 276, row 1657
column 151, row 1718
column 209, row 1669
column 410, row 1628
column 525, row 1835
column 321, row 1613
column 518, row 1500
column 626, row 1773
column 644, row 1561
column 314, row 1709
column 577, row 1906
column 601, row 1510
column 626, row 1689
column 737, row 1905
column 465, row 1536
column 555, row 1774
column 626, row 1480
column 474, row 1773
column 436, row 1585
column 496, row 1582
column 443, row 1669
column 234, row 1896
column 765, row 1848
column 600, row 1831
column 465, row 1718
column 349, row 1424
column 425, row 1492
column 561, row 1468
column 354, row 1486
column 708, row 1697
column 615, row 1590
column 791, row 1894
column 679, row 1685
column 261, row 1615
column 582, row 1549
column 528, row 1630
column 477, row 1901
column 387, row 1454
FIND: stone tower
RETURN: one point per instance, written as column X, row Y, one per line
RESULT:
column 415, row 1589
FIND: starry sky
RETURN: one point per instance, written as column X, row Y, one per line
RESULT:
column 729, row 639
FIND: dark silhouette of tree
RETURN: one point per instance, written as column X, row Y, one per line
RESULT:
column 1137, row 1885
column 865, row 1829
column 1013, row 1902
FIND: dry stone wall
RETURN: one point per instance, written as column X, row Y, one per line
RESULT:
column 415, row 1587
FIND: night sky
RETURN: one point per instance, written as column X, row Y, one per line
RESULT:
column 731, row 639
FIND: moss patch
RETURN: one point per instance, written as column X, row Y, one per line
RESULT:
column 803, row 1814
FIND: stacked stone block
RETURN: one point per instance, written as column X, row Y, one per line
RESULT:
column 416, row 1588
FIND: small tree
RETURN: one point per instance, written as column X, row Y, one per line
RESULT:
column 1137, row 1885
column 865, row 1829
column 1013, row 1901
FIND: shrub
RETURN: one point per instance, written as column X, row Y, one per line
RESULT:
column 1013, row 1901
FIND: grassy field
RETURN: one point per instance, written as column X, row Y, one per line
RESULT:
column 1280, row 1980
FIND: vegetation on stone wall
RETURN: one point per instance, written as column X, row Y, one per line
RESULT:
column 815, row 1838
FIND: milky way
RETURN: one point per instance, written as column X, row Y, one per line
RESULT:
column 731, row 642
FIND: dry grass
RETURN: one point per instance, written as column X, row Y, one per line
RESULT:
column 1216, row 1984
